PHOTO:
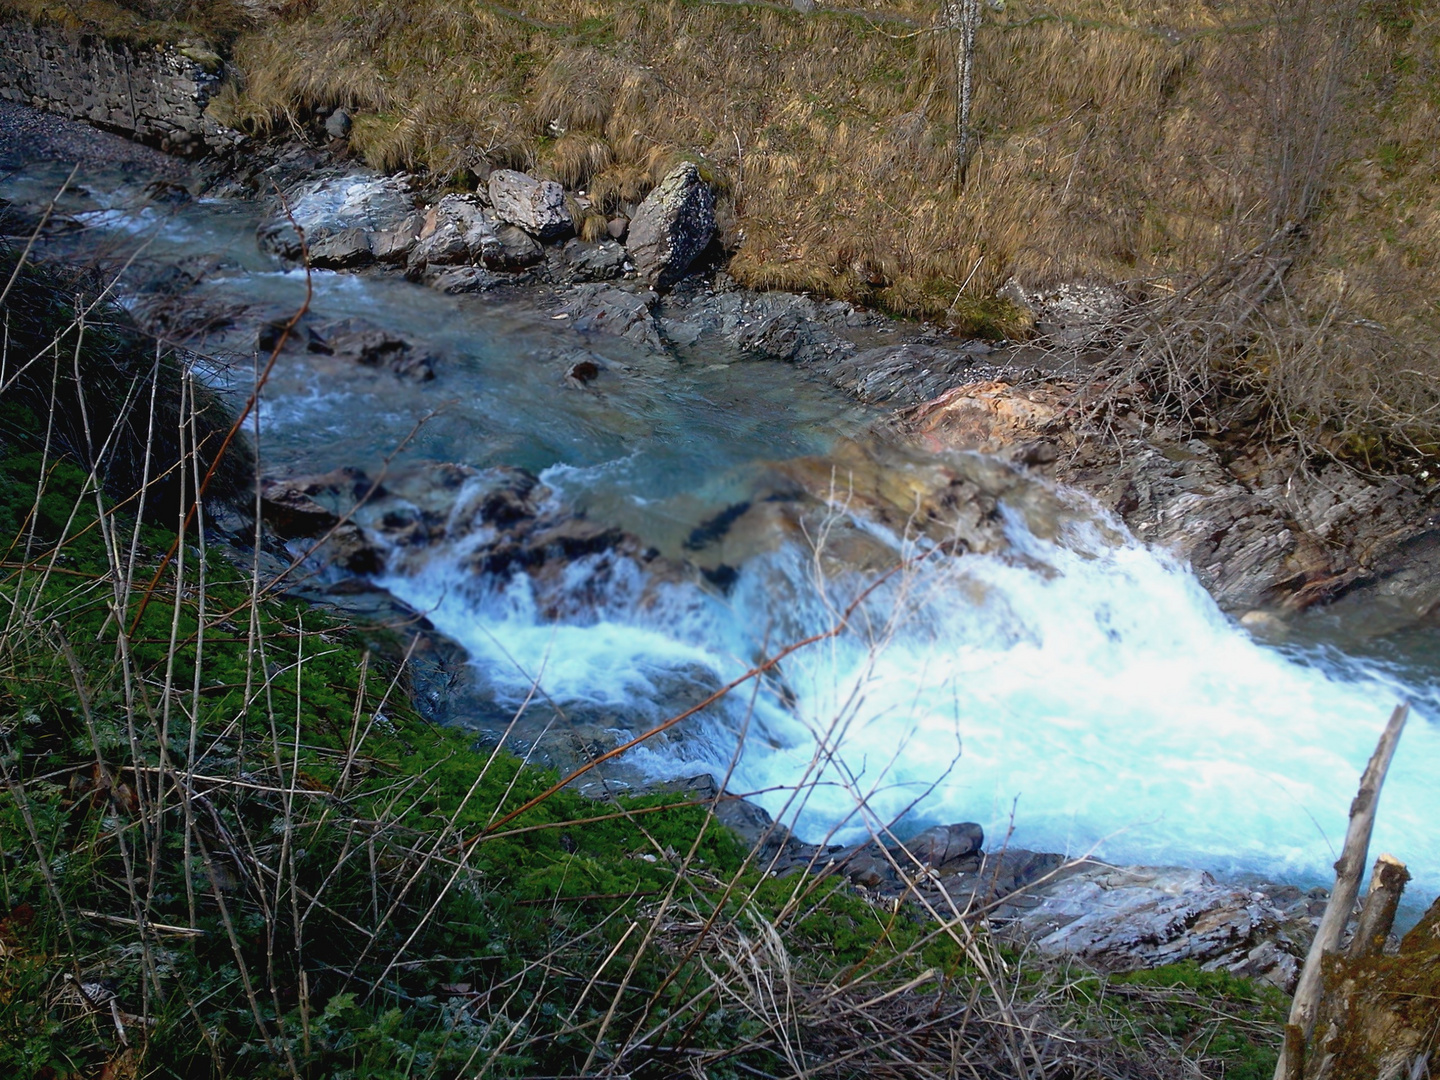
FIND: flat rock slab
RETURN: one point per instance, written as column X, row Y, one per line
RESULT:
column 609, row 309
column 348, row 221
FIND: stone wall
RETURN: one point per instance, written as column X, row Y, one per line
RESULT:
column 156, row 94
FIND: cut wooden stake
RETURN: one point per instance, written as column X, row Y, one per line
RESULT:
column 1348, row 870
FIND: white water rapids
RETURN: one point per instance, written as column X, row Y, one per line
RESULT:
column 1094, row 691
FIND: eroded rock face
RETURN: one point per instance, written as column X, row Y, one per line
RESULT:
column 1126, row 918
column 1260, row 535
column 672, row 226
column 537, row 206
column 348, row 221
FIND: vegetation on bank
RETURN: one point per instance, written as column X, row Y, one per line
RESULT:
column 230, row 847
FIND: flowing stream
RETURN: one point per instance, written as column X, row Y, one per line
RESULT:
column 1071, row 684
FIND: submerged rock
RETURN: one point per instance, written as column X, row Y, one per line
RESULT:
column 356, row 340
column 537, row 206
column 348, row 221
column 672, row 226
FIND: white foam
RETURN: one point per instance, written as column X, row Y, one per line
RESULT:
column 1097, row 690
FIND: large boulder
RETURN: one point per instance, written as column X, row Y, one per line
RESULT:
column 673, row 225
column 348, row 221
column 537, row 206
column 457, row 232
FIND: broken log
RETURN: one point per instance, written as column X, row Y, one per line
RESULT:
column 1348, row 870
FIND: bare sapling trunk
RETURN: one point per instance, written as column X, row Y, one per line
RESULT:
column 964, row 22
column 1348, row 870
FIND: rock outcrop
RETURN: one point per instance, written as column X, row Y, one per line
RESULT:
column 1262, row 535
column 537, row 206
column 672, row 226
column 1113, row 918
column 348, row 222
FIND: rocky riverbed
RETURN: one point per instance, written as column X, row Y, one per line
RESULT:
column 1266, row 539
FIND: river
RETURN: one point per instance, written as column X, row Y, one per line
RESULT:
column 1069, row 686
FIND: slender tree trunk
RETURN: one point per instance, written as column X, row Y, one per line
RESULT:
column 964, row 22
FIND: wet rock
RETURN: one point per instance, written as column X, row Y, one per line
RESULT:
column 348, row 221
column 748, row 821
column 908, row 374
column 537, row 206
column 936, row 849
column 603, row 261
column 945, row 845
column 457, row 231
column 355, row 340
column 779, row 326
column 290, row 510
column 317, row 508
column 585, row 370
column 609, row 309
column 672, row 226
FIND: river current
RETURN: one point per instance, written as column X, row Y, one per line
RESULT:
column 1077, row 690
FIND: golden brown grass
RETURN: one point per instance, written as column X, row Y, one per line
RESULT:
column 1111, row 149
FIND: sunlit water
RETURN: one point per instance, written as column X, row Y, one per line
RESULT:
column 1086, row 692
